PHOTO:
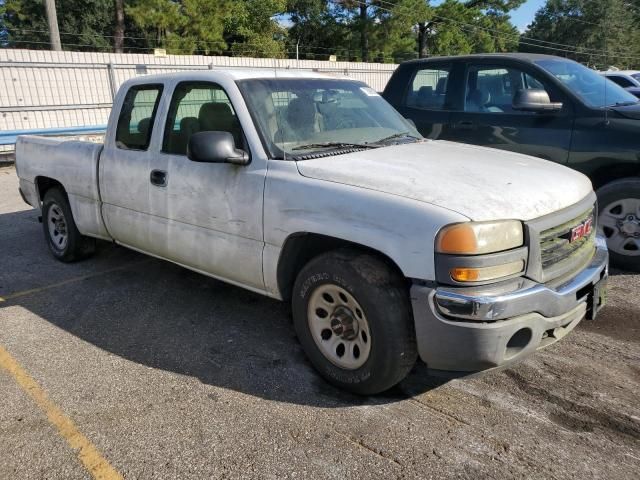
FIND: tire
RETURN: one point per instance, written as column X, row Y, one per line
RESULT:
column 355, row 299
column 65, row 242
column 619, row 218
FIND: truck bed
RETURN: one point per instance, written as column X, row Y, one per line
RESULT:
column 73, row 164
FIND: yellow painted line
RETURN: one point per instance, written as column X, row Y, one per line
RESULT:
column 88, row 454
column 66, row 282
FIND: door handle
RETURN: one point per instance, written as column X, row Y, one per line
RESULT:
column 158, row 178
column 465, row 125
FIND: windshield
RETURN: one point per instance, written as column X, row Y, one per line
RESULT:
column 300, row 116
column 594, row 89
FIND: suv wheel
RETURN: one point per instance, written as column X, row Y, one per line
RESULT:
column 619, row 218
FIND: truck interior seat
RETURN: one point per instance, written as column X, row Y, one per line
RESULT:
column 188, row 126
column 218, row 116
column 301, row 119
column 478, row 101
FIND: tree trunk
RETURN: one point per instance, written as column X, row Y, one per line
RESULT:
column 118, row 34
column 423, row 35
column 364, row 31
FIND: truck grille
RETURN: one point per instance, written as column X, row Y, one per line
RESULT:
column 565, row 244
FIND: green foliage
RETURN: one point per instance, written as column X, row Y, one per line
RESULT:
column 598, row 33
column 83, row 24
column 253, row 30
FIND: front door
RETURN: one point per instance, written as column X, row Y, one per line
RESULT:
column 488, row 118
column 208, row 216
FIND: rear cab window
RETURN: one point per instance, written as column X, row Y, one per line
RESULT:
column 137, row 116
column 428, row 88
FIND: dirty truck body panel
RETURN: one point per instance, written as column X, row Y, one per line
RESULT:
column 235, row 221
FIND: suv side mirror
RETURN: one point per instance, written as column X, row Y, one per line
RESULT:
column 534, row 100
column 215, row 147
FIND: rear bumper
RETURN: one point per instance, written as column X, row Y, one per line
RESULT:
column 473, row 329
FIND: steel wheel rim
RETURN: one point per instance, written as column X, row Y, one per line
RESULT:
column 57, row 225
column 620, row 222
column 339, row 327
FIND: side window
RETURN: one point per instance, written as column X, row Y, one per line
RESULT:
column 137, row 116
column 198, row 107
column 428, row 89
column 623, row 82
column 491, row 89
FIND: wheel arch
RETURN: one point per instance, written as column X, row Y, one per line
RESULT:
column 299, row 248
column 611, row 173
column 44, row 184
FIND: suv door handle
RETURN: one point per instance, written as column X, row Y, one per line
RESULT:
column 158, row 178
column 465, row 125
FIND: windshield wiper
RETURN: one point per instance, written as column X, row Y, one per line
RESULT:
column 396, row 135
column 624, row 104
column 334, row 145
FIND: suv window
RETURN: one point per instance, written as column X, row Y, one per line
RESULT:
column 491, row 89
column 428, row 89
column 623, row 82
column 197, row 107
column 137, row 116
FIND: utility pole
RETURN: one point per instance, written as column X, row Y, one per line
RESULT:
column 52, row 18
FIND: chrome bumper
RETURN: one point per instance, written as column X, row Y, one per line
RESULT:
column 471, row 329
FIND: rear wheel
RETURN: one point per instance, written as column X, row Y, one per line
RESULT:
column 353, row 318
column 65, row 242
column 619, row 218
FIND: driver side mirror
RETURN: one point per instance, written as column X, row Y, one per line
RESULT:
column 215, row 147
column 534, row 100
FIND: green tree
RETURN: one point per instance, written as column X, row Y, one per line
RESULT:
column 477, row 26
column 599, row 33
column 84, row 24
column 252, row 30
column 162, row 22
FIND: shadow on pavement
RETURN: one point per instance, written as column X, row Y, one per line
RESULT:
column 164, row 316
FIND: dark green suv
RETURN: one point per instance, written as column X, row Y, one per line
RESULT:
column 540, row 105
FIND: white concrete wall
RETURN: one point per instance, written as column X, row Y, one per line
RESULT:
column 45, row 89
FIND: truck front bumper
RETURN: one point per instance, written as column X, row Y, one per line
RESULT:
column 478, row 328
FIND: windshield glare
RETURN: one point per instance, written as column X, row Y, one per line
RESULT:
column 294, row 115
column 587, row 84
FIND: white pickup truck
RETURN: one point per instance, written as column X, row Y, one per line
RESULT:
column 313, row 189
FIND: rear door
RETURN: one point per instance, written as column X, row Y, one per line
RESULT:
column 427, row 99
column 126, row 164
column 488, row 119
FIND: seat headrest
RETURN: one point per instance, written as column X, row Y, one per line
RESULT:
column 425, row 91
column 441, row 86
column 216, row 116
column 189, row 124
column 479, row 98
column 144, row 125
column 301, row 112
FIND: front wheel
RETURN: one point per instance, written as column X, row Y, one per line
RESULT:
column 619, row 218
column 352, row 315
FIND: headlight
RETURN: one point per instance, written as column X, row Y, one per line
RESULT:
column 476, row 238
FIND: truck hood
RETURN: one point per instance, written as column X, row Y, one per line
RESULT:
column 629, row 111
column 479, row 183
